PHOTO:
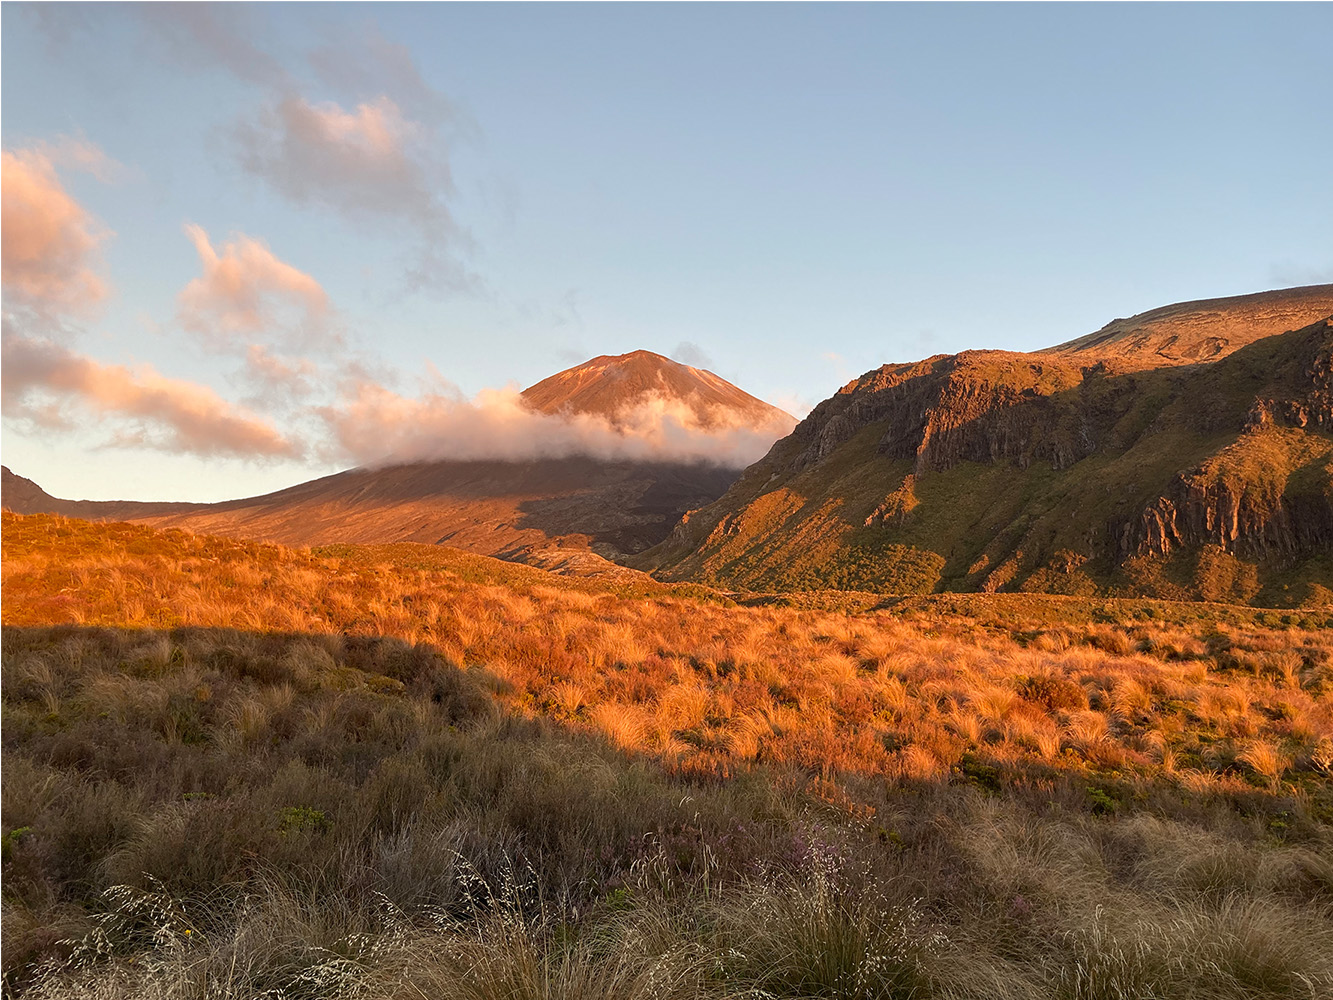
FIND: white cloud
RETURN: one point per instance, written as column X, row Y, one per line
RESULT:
column 372, row 165
column 373, row 425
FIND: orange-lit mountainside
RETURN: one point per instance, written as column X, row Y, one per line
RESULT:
column 558, row 511
column 1182, row 453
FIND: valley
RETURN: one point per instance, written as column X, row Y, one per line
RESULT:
column 1001, row 676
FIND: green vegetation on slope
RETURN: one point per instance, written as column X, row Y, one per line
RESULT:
column 999, row 472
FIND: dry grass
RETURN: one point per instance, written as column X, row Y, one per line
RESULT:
column 692, row 680
column 403, row 772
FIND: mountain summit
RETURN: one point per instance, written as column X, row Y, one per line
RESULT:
column 610, row 385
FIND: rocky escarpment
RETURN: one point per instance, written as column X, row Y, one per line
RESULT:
column 998, row 471
column 1242, row 500
column 979, row 406
column 940, row 411
column 1196, row 512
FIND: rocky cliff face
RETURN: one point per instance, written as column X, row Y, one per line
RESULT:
column 1047, row 471
column 979, row 406
column 1196, row 512
column 1252, row 515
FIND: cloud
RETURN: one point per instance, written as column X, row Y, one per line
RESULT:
column 203, row 35
column 245, row 290
column 277, row 383
column 49, row 257
column 371, row 164
column 378, row 155
column 795, row 404
column 359, row 162
column 374, row 425
column 43, row 381
column 1288, row 273
column 689, row 353
column 366, row 62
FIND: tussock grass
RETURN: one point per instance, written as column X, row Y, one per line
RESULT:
column 412, row 773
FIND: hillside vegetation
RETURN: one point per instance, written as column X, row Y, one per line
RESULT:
column 235, row 769
column 1048, row 472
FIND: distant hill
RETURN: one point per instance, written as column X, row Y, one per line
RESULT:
column 1106, row 465
column 23, row 496
column 538, row 511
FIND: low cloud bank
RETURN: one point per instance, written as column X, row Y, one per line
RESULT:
column 375, row 426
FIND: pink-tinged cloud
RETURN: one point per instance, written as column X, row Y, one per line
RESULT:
column 362, row 162
column 49, row 251
column 43, row 382
column 376, row 426
column 363, row 61
column 245, row 289
column 277, row 384
column 201, row 36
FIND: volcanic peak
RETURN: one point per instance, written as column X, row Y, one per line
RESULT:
column 611, row 384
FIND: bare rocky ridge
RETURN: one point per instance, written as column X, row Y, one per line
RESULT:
column 573, row 514
column 1191, row 332
column 1101, row 466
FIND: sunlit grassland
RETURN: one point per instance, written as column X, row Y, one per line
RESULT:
column 232, row 768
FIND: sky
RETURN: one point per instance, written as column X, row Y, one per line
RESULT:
column 247, row 245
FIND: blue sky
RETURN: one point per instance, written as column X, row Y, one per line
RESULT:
column 790, row 194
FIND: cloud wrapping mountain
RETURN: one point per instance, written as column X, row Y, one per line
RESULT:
column 376, row 426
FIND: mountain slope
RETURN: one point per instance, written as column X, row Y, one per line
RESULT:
column 505, row 509
column 542, row 510
column 1206, row 330
column 1060, row 471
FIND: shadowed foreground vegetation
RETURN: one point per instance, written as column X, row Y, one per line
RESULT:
column 238, row 770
